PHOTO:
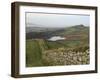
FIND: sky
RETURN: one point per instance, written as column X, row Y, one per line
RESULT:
column 55, row 20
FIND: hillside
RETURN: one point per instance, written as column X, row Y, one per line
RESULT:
column 42, row 52
column 73, row 31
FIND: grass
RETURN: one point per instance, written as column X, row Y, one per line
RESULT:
column 33, row 53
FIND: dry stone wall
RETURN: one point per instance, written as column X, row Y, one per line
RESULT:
column 64, row 56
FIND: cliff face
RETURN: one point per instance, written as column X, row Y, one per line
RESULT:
column 65, row 57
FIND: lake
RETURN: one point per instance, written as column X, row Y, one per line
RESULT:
column 56, row 38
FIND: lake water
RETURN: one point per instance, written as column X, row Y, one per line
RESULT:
column 55, row 38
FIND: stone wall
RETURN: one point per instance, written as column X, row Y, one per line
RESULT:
column 64, row 56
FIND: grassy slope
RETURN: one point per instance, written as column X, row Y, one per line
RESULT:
column 75, row 30
column 81, row 32
column 34, row 49
column 33, row 53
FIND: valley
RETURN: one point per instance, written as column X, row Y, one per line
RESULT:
column 75, row 40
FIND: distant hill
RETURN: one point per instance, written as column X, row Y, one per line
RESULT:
column 77, row 31
column 40, row 29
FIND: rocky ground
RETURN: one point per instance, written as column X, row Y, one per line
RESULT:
column 64, row 56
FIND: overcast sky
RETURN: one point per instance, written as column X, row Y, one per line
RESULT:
column 55, row 20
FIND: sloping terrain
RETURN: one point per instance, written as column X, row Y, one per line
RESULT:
column 37, row 43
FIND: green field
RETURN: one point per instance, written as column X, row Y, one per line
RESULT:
column 34, row 49
column 33, row 53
